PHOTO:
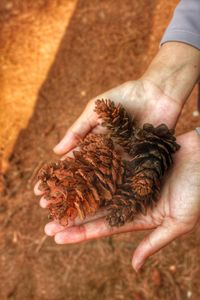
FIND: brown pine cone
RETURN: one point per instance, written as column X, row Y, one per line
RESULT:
column 83, row 184
column 98, row 177
column 117, row 121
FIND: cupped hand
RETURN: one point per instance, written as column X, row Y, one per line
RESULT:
column 176, row 213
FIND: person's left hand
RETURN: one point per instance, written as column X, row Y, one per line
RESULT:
column 176, row 213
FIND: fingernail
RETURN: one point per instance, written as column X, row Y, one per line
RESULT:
column 64, row 142
column 47, row 231
column 52, row 228
column 137, row 266
column 61, row 146
column 58, row 147
column 43, row 202
column 57, row 239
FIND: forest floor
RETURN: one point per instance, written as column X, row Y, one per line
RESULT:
column 55, row 56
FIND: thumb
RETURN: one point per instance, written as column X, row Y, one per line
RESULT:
column 156, row 240
column 81, row 127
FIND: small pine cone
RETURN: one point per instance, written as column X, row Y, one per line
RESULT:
column 81, row 185
column 117, row 120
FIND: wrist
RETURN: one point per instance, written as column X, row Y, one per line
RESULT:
column 190, row 145
column 175, row 70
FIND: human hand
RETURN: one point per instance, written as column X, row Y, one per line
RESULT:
column 176, row 213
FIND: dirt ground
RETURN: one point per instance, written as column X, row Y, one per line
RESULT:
column 54, row 56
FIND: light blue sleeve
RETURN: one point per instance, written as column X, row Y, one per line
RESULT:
column 185, row 24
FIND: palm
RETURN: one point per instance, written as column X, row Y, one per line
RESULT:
column 145, row 101
column 179, row 203
column 181, row 193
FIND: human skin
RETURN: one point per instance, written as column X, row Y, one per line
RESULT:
column 157, row 97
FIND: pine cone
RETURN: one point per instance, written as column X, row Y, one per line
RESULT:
column 98, row 176
column 83, row 184
column 117, row 121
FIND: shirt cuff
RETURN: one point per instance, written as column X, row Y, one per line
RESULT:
column 181, row 36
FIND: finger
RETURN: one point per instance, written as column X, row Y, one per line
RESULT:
column 96, row 229
column 37, row 191
column 76, row 222
column 44, row 203
column 96, row 130
column 157, row 239
column 83, row 125
column 52, row 228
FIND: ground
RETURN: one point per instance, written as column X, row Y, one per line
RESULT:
column 55, row 56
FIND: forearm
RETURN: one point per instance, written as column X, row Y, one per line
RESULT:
column 175, row 70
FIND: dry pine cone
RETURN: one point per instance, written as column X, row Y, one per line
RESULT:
column 98, row 176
